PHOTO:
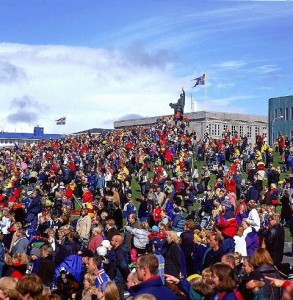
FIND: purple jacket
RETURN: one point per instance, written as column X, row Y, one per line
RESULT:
column 252, row 243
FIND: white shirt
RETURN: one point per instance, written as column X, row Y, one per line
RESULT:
column 253, row 219
column 240, row 245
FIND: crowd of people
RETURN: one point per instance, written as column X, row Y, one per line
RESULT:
column 146, row 213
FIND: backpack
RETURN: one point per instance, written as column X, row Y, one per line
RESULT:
column 236, row 293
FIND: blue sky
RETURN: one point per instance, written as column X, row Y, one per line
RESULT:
column 99, row 61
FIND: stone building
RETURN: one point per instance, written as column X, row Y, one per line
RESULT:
column 214, row 123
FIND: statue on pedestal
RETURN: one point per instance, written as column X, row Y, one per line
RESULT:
column 179, row 107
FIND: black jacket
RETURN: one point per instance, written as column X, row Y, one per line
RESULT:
column 172, row 260
column 271, row 292
column 274, row 241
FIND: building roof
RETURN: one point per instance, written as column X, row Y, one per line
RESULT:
column 38, row 134
column 199, row 115
column 94, row 131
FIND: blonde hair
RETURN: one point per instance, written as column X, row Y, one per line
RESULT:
column 8, row 285
column 111, row 291
column 207, row 272
column 276, row 217
column 145, row 297
column 173, row 237
column 89, row 292
column 90, row 277
column 20, row 257
column 144, row 225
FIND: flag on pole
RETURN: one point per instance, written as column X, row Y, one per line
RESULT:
column 61, row 121
column 200, row 80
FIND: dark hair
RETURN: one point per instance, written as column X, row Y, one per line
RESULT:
column 227, row 277
column 97, row 260
column 203, row 288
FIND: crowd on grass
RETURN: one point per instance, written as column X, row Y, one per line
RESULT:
column 136, row 214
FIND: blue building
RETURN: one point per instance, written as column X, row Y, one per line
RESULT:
column 8, row 139
column 280, row 117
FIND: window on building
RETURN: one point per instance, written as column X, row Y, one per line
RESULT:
column 281, row 114
column 233, row 129
column 249, row 129
column 209, row 129
column 256, row 130
column 217, row 129
column 213, row 129
column 241, row 130
column 264, row 129
column 287, row 114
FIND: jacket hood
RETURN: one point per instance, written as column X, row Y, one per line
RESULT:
column 156, row 281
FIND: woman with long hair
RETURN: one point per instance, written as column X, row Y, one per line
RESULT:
column 263, row 263
column 224, row 282
column 172, row 255
column 109, row 293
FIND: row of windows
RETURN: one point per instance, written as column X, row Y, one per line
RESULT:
column 284, row 114
column 214, row 129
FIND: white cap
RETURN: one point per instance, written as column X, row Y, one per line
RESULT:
column 106, row 243
column 102, row 250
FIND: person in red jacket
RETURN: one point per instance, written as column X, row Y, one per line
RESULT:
column 230, row 185
column 227, row 223
column 157, row 214
column 87, row 195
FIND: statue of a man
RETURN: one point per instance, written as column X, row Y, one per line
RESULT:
column 179, row 106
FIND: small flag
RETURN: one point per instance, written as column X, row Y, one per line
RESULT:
column 61, row 121
column 101, row 279
column 200, row 80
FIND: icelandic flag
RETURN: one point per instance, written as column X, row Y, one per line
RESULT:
column 61, row 121
column 101, row 279
column 200, row 80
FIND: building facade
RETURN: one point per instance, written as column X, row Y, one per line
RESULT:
column 9, row 139
column 213, row 123
column 280, row 117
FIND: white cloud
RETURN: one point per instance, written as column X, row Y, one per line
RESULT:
column 88, row 86
column 230, row 64
column 224, row 85
column 265, row 69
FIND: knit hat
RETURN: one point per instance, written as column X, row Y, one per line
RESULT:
column 226, row 203
column 155, row 228
column 36, row 252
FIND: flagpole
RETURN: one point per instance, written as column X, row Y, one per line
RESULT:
column 205, row 89
column 191, row 102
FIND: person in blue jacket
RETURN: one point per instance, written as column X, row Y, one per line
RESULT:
column 147, row 267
